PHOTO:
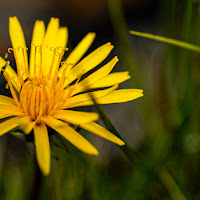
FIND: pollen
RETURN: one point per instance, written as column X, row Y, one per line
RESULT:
column 39, row 82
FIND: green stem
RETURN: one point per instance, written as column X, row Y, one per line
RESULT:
column 171, row 185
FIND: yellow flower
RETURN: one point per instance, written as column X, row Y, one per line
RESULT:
column 45, row 91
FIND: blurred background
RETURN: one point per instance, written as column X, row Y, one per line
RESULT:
column 163, row 126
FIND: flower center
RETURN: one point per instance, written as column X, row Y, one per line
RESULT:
column 36, row 97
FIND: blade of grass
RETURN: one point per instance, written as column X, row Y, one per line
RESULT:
column 171, row 185
column 130, row 153
column 177, row 43
column 123, row 43
column 185, row 70
column 168, row 181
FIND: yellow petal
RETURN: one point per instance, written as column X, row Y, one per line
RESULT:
column 71, row 135
column 37, row 39
column 101, row 132
column 80, row 99
column 79, row 51
column 8, row 107
column 13, row 76
column 49, row 44
column 62, row 37
column 75, row 117
column 4, row 100
column 13, row 92
column 19, row 45
column 4, row 115
column 61, row 42
column 89, row 62
column 12, row 110
column 8, row 125
column 26, row 124
column 111, row 79
column 96, row 76
column 16, row 33
column 117, row 96
column 42, row 147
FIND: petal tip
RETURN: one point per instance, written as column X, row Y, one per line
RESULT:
column 116, row 58
column 95, row 153
column 46, row 171
column 39, row 22
column 109, row 44
column 92, row 33
column 54, row 20
column 96, row 117
column 63, row 28
column 121, row 143
column 12, row 20
column 12, row 17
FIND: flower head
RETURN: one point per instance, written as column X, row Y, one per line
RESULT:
column 45, row 90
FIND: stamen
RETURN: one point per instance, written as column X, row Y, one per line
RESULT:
column 56, row 69
column 38, row 49
column 40, row 71
column 34, row 73
column 30, row 92
column 10, row 50
column 68, row 66
column 33, row 103
column 12, row 89
column 39, row 95
column 52, row 49
column 37, row 102
column 25, row 61
column 60, row 88
column 20, row 72
column 66, row 95
column 63, row 63
column 23, row 96
column 23, row 50
column 58, row 51
column 17, row 64
column 42, row 105
column 49, row 95
column 7, row 86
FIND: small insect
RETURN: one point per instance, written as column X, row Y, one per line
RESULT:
column 27, row 79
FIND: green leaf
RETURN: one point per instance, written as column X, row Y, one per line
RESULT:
column 174, row 42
